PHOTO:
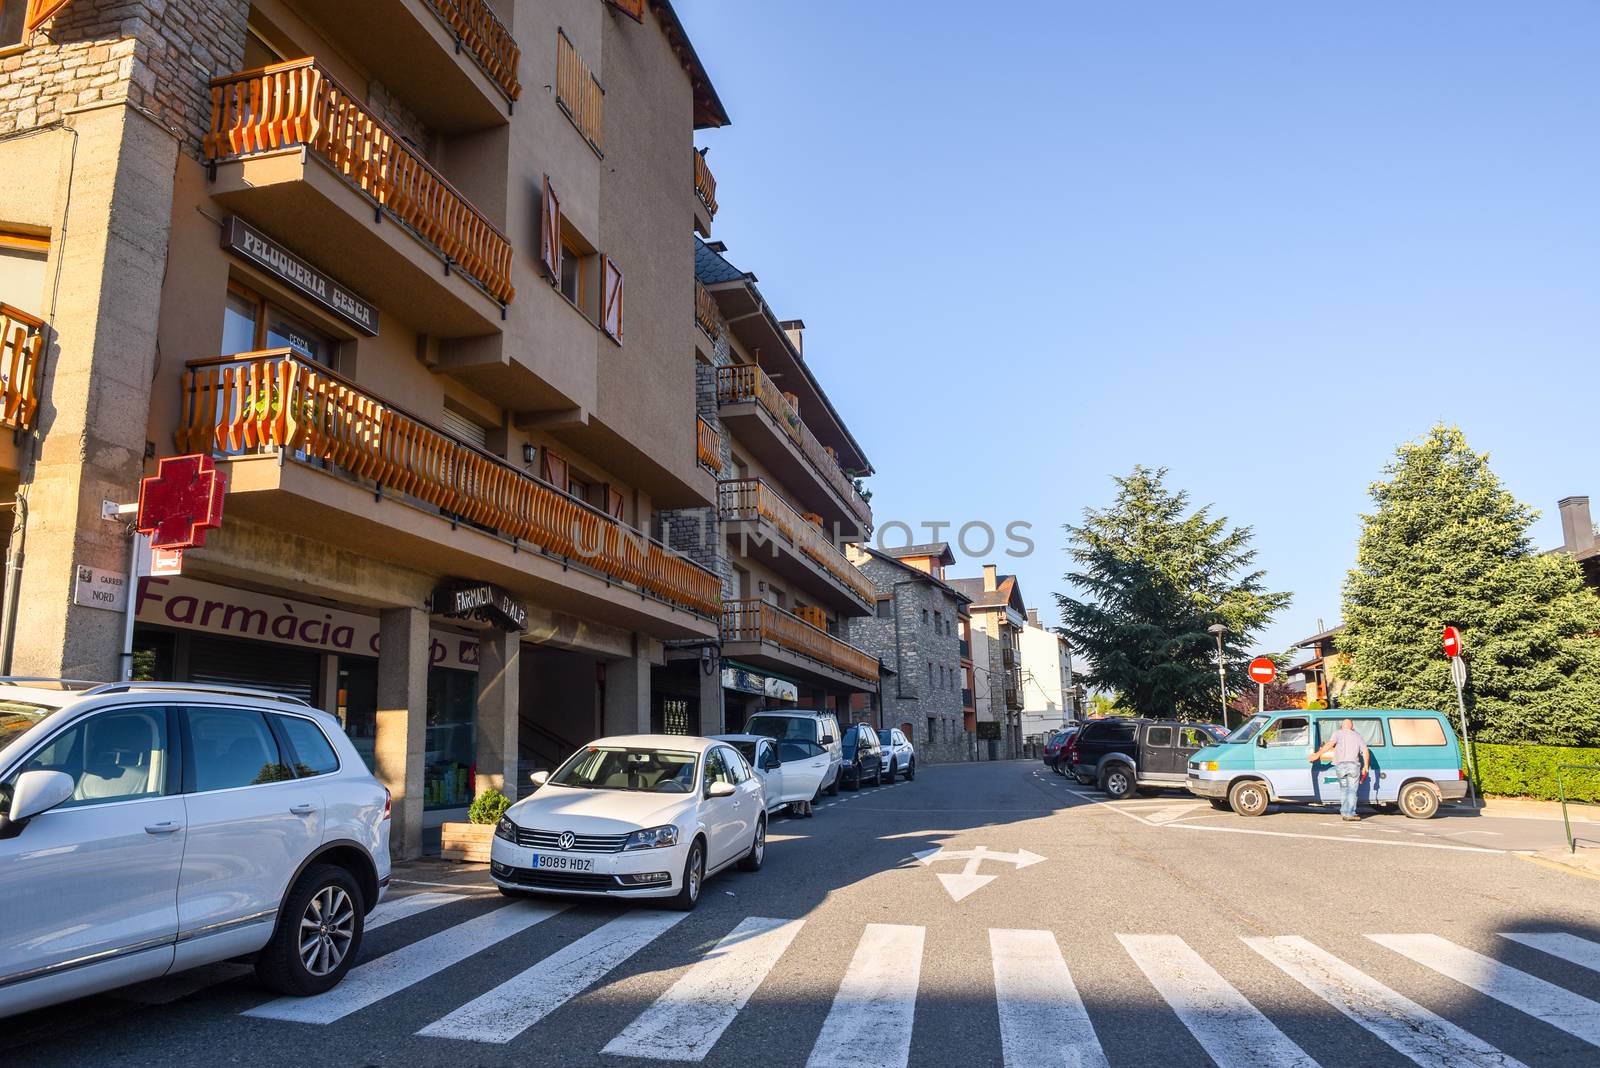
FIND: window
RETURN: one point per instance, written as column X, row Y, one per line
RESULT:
column 737, row 766
column 798, row 749
column 938, row 622
column 933, row 728
column 23, row 254
column 1416, row 732
column 233, row 747
column 313, row 755
column 1195, row 738
column 1288, row 732
column 250, row 324
column 1110, row 732
column 886, row 608
column 451, row 738
column 13, row 18
column 716, row 770
column 1371, row 730
column 924, row 617
column 930, row 673
column 1158, row 736
column 464, row 427
column 113, row 756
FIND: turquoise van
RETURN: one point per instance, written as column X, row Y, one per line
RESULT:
column 1416, row 761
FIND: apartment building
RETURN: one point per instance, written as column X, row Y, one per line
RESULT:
column 789, row 502
column 916, row 631
column 997, row 611
column 1046, row 679
column 417, row 275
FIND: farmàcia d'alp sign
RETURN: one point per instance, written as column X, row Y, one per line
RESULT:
column 193, row 605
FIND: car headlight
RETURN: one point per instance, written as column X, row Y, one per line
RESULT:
column 506, row 829
column 652, row 838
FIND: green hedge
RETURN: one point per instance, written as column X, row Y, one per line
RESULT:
column 488, row 807
column 1530, row 770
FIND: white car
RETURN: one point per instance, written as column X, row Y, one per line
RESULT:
column 148, row 828
column 791, row 771
column 899, row 755
column 801, row 725
column 647, row 815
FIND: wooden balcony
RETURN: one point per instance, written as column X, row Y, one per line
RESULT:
column 298, row 105
column 758, row 521
column 21, row 341
column 300, row 414
column 768, row 636
column 480, row 31
column 705, row 190
column 706, row 315
column 708, row 444
column 751, row 401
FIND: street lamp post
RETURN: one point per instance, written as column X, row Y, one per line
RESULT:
column 1222, row 671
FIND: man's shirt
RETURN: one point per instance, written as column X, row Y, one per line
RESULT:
column 1348, row 746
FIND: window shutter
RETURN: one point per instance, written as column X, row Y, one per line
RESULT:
column 613, row 502
column 553, row 469
column 611, row 298
column 466, row 429
column 634, row 9
column 43, row 10
column 550, row 232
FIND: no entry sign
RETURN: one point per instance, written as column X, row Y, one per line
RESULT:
column 1263, row 670
column 1452, row 642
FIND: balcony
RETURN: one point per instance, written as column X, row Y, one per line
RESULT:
column 293, row 149
column 767, row 636
column 770, row 427
column 21, row 339
column 345, row 464
column 705, row 191
column 757, row 522
column 708, row 444
column 706, row 315
column 1008, row 656
column 1013, row 698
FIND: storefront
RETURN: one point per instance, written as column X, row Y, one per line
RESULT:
column 746, row 691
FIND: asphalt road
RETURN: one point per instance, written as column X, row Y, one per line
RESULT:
column 1149, row 932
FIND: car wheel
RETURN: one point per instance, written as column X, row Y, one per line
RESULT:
column 851, row 783
column 694, row 876
column 833, row 787
column 751, row 861
column 1083, row 780
column 1249, row 798
column 1419, row 801
column 318, row 936
column 894, row 772
column 911, row 769
column 1117, row 782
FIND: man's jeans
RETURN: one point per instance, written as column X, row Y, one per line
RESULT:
column 1349, row 782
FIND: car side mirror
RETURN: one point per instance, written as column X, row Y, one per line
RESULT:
column 720, row 789
column 772, row 764
column 827, row 739
column 539, row 778
column 37, row 792
column 1262, row 741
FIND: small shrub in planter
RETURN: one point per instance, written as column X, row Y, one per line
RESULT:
column 471, row 841
column 488, row 807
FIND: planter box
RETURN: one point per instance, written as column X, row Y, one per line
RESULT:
column 467, row 842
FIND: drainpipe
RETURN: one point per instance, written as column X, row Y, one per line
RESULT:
column 13, row 592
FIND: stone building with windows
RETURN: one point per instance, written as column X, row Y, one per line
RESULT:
column 997, row 611
column 915, row 631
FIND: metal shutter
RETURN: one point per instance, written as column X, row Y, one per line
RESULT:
column 465, row 429
column 257, row 665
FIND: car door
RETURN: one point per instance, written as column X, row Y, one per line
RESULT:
column 98, row 874
column 805, row 768
column 770, row 771
column 720, row 814
column 1190, row 741
column 1281, row 756
column 1325, row 778
column 1158, row 752
column 251, row 822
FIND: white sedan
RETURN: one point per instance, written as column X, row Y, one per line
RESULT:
column 791, row 769
column 649, row 815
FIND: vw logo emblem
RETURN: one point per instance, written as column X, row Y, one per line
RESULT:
column 567, row 840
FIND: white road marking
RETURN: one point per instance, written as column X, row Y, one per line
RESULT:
column 1042, row 1019
column 400, row 908
column 369, row 983
column 515, row 1005
column 869, row 1025
column 686, row 1021
column 1559, row 1008
column 1226, row 1025
column 969, row 880
column 1428, row 1039
column 1170, row 813
column 1570, row 948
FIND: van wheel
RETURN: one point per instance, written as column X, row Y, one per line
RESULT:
column 1117, row 782
column 833, row 787
column 1249, row 798
column 1419, row 801
column 318, row 936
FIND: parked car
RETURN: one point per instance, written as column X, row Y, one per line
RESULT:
column 790, row 771
column 1415, row 761
column 1125, row 755
column 1054, row 746
column 822, row 728
column 646, row 815
column 149, row 828
column 898, row 753
column 863, row 757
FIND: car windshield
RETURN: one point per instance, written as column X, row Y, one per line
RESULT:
column 1249, row 729
column 749, row 751
column 625, row 768
column 783, row 727
column 16, row 717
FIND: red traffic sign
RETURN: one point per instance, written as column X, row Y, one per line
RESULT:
column 1263, row 670
column 1452, row 642
column 181, row 502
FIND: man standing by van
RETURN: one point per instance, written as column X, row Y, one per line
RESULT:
column 1347, row 746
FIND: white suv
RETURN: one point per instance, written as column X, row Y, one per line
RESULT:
column 147, row 828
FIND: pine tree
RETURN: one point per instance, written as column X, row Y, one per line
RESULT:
column 1153, row 577
column 1446, row 544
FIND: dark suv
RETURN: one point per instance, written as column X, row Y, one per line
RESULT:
column 1122, row 755
column 863, row 757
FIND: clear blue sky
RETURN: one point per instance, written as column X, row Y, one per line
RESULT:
column 1036, row 243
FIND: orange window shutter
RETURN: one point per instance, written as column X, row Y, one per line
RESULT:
column 634, row 9
column 43, row 10
column 553, row 469
column 550, row 232
column 611, row 299
column 613, row 502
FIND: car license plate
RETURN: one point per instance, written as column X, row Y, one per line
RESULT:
column 554, row 863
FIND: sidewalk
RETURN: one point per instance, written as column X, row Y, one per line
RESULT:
column 1527, row 808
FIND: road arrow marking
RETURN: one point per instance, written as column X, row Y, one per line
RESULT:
column 959, row 886
column 969, row 880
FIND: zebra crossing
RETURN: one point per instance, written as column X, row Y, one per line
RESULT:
column 1046, row 1010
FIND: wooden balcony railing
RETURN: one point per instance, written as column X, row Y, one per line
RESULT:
column 21, row 339
column 751, row 498
column 706, row 313
column 579, row 94
column 758, row 621
column 478, row 28
column 708, row 444
column 705, row 183
column 746, row 382
column 278, row 400
column 299, row 103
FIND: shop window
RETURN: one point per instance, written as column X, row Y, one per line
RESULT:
column 452, row 718
column 358, row 704
column 251, row 324
column 154, row 655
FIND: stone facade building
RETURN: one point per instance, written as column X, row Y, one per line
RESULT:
column 998, row 611
column 915, row 632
